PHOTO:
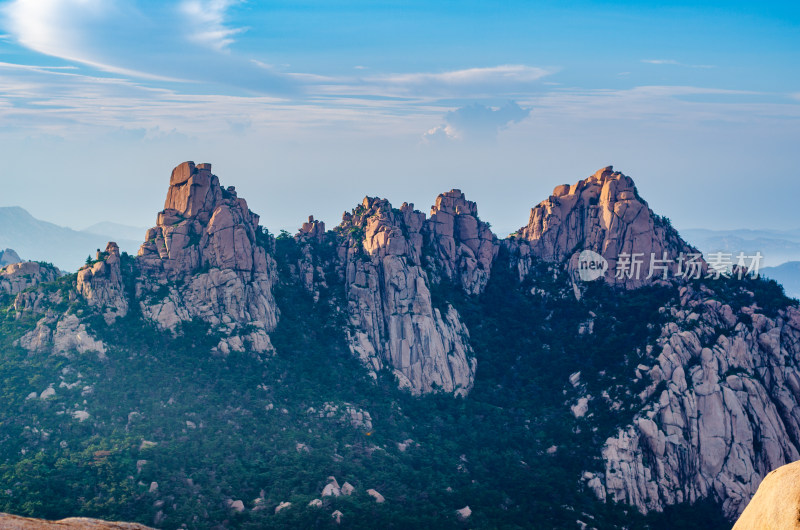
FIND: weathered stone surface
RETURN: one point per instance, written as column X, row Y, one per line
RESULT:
column 392, row 320
column 14, row 522
column 101, row 283
column 204, row 260
column 725, row 413
column 463, row 246
column 18, row 276
column 375, row 495
column 605, row 214
column 61, row 334
column 776, row 503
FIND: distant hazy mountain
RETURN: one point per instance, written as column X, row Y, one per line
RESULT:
column 788, row 275
column 8, row 256
column 133, row 233
column 777, row 246
column 42, row 241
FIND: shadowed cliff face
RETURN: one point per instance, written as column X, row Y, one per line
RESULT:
column 718, row 385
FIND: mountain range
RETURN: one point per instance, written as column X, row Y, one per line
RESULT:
column 66, row 248
column 405, row 370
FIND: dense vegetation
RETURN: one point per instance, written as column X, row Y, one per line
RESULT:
column 174, row 432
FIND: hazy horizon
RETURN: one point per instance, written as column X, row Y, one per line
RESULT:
column 308, row 108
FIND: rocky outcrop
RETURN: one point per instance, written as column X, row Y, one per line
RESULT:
column 61, row 334
column 8, row 256
column 206, row 259
column 604, row 214
column 19, row 276
column 392, row 321
column 15, row 522
column 776, row 504
column 720, row 410
column 463, row 247
column 100, row 283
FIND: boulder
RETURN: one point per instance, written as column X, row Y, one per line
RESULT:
column 776, row 503
column 375, row 495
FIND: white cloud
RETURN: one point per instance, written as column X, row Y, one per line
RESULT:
column 673, row 62
column 660, row 61
column 211, row 17
column 477, row 122
column 496, row 81
column 134, row 38
column 516, row 73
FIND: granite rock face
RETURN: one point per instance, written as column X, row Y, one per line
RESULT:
column 463, row 246
column 604, row 214
column 720, row 410
column 101, row 283
column 393, row 323
column 776, row 504
column 19, row 276
column 61, row 334
column 15, row 522
column 203, row 259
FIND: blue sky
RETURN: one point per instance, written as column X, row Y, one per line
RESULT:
column 308, row 106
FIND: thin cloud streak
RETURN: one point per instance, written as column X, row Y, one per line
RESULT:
column 673, row 62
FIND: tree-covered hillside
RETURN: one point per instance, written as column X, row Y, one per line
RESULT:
column 163, row 431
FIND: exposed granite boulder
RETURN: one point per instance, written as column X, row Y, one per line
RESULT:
column 721, row 409
column 15, row 522
column 61, row 334
column 776, row 504
column 604, row 214
column 393, row 323
column 18, row 276
column 101, row 283
column 206, row 259
column 462, row 245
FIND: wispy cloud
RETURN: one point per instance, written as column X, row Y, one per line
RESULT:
column 673, row 62
column 495, row 81
column 153, row 41
column 209, row 17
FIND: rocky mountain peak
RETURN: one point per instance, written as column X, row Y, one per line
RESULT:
column 206, row 248
column 100, row 283
column 313, row 229
column 605, row 214
column 392, row 321
column 464, row 247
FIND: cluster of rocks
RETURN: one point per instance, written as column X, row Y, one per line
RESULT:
column 203, row 260
column 463, row 247
column 720, row 410
column 100, row 283
column 604, row 214
column 21, row 275
column 721, row 406
column 392, row 320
